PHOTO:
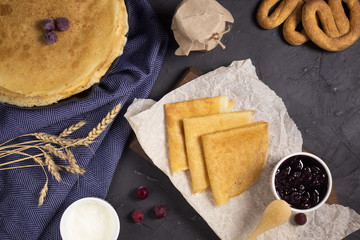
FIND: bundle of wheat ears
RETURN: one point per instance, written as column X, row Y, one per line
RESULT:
column 50, row 147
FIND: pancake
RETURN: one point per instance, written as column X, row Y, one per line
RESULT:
column 176, row 112
column 33, row 73
column 235, row 158
column 194, row 128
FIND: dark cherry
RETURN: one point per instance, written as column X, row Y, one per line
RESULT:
column 315, row 197
column 62, row 23
column 301, row 181
column 291, row 180
column 299, row 165
column 316, row 183
column 307, row 170
column 305, row 205
column 305, row 197
column 315, row 170
column 50, row 37
column 284, row 193
column 137, row 216
column 48, row 24
column 307, row 177
column 300, row 218
column 296, row 174
column 295, row 197
column 142, row 192
column 287, row 170
column 160, row 211
column 285, row 182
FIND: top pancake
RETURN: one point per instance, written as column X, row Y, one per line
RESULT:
column 235, row 159
column 194, row 128
column 32, row 69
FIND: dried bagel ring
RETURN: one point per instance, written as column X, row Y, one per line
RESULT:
column 332, row 38
column 341, row 20
column 292, row 36
column 280, row 14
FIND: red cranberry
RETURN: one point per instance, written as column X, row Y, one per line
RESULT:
column 142, row 192
column 137, row 216
column 160, row 211
column 300, row 218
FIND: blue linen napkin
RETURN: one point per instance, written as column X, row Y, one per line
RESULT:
column 132, row 77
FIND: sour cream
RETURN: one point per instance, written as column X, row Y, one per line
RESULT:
column 90, row 219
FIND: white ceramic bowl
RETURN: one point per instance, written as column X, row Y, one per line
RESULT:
column 315, row 158
column 90, row 218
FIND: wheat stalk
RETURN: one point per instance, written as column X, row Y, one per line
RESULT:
column 73, row 167
column 17, row 148
column 25, row 166
column 45, row 144
column 72, row 128
column 103, row 124
column 55, row 151
column 52, row 167
column 43, row 192
column 35, row 158
column 3, row 148
column 70, row 156
column 48, row 138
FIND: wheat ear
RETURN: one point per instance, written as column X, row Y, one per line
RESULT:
column 43, row 192
column 74, row 170
column 44, row 143
column 52, row 167
column 73, row 167
column 72, row 128
column 55, row 151
column 55, row 139
column 103, row 124
column 45, row 188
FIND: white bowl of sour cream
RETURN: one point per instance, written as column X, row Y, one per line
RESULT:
column 91, row 219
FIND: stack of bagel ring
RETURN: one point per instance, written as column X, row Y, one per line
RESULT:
column 324, row 23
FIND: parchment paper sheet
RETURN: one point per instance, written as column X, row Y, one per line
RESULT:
column 238, row 218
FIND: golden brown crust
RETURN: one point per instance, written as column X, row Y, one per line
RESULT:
column 337, row 32
column 292, row 36
column 235, row 159
column 175, row 113
column 335, row 36
column 35, row 73
column 194, row 128
column 278, row 16
column 341, row 20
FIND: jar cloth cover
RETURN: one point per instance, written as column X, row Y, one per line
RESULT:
column 199, row 25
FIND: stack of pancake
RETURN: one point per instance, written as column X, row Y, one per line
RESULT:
column 223, row 150
column 33, row 73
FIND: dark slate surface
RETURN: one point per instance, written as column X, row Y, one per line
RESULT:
column 320, row 89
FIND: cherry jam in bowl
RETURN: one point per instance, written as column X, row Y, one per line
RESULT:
column 303, row 180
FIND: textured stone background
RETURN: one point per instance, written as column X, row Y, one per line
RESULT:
column 320, row 89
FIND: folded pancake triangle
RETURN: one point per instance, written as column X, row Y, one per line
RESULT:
column 176, row 112
column 235, row 158
column 194, row 128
